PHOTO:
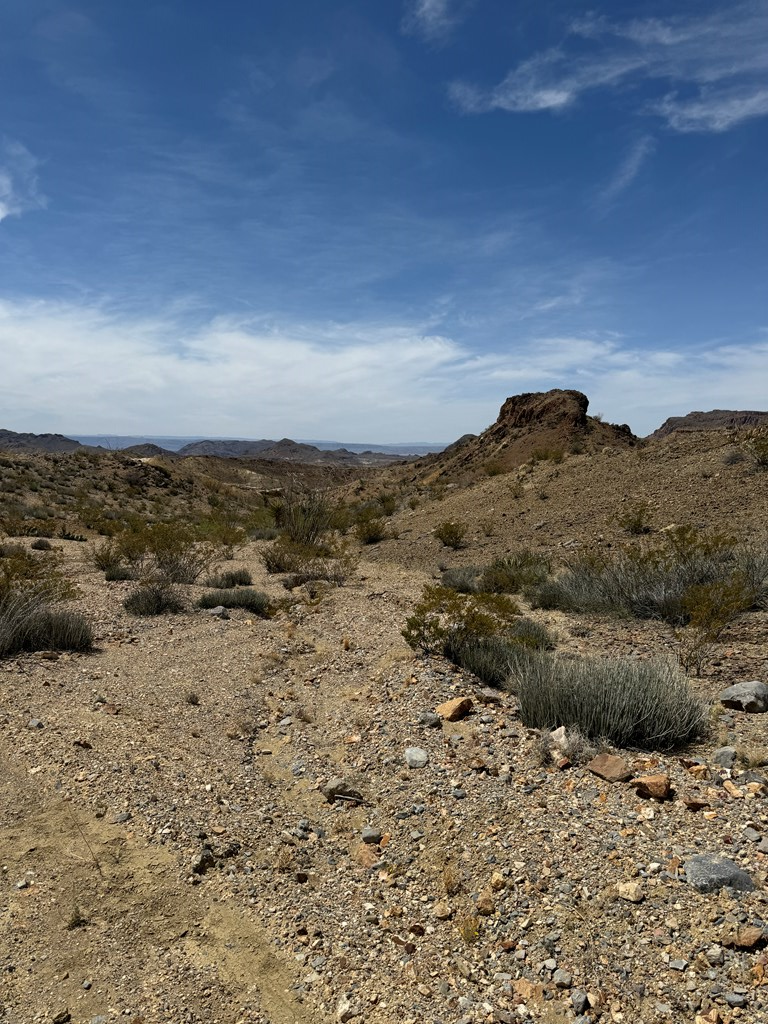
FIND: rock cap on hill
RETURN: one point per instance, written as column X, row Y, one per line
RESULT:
column 715, row 419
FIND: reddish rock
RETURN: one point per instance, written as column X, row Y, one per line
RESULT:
column 653, row 787
column 454, row 710
column 610, row 767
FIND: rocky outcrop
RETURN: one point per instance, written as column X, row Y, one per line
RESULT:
column 716, row 419
column 10, row 441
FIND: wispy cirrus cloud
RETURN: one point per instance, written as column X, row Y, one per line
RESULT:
column 86, row 368
column 719, row 61
column 19, row 184
column 433, row 20
column 625, row 173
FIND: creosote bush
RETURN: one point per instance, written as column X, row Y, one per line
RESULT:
column 442, row 616
column 304, row 516
column 643, row 704
column 239, row 597
column 516, row 573
column 452, row 534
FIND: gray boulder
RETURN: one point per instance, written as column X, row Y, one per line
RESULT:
column 708, row 873
column 751, row 696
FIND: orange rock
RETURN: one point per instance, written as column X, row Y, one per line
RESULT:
column 454, row 710
column 366, row 856
column 655, row 787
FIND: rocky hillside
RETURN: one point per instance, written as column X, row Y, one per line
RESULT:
column 291, row 451
column 10, row 441
column 716, row 419
column 533, row 426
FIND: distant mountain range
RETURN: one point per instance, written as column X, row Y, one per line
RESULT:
column 184, row 445
column 333, row 453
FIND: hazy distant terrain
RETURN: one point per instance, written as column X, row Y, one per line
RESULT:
column 174, row 444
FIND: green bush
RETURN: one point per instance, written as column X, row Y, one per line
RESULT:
column 153, row 597
column 41, row 544
column 452, row 534
column 636, row 519
column 11, row 550
column 516, row 573
column 119, row 573
column 643, row 704
column 304, row 516
column 287, row 556
column 242, row 597
column 371, row 530
column 442, row 616
column 230, row 578
column 492, row 659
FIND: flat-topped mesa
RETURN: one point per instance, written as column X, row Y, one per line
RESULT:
column 715, row 419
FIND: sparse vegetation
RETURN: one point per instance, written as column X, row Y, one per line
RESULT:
column 636, row 519
column 451, row 534
column 154, row 597
column 644, row 704
column 230, row 578
column 251, row 600
column 516, row 573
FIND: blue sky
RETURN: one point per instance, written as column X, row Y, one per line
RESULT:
column 375, row 220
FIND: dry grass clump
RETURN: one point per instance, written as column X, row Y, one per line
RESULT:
column 251, row 600
column 643, row 704
column 230, row 578
column 154, row 597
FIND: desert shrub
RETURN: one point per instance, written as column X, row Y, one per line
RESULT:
column 491, row 658
column 336, row 570
column 733, row 456
column 28, row 623
column 106, row 556
column 263, row 533
column 644, row 704
column 388, row 504
column 452, row 534
column 153, row 597
column 230, row 578
column 11, row 550
column 443, row 616
column 635, row 519
column 547, row 455
column 287, row 556
column 756, row 447
column 464, row 579
column 41, row 544
column 23, row 572
column 515, row 573
column 69, row 535
column 371, row 530
column 119, row 573
column 653, row 582
column 241, row 597
column 304, row 516
column 531, row 634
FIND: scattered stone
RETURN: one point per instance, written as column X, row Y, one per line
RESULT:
column 120, row 819
column 219, row 612
column 62, row 1017
column 454, row 710
column 725, row 756
column 562, row 979
column 339, row 789
column 653, row 787
column 34, row 723
column 745, row 938
column 708, row 873
column 416, row 757
column 430, row 719
column 579, row 1000
column 610, row 767
column 203, row 861
column 751, row 834
column 442, row 911
column 498, row 882
column 735, row 999
column 371, row 835
column 695, row 803
column 489, row 696
column 486, row 904
column 751, row 696
column 365, row 855
column 345, row 1010
column 632, row 892
column 678, row 965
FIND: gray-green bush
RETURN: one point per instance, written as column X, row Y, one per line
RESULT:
column 643, row 704
column 241, row 597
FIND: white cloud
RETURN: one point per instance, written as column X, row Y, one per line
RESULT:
column 19, row 186
column 81, row 369
column 626, row 172
column 433, row 19
column 721, row 58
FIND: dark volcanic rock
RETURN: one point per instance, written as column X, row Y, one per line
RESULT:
column 716, row 419
column 10, row 441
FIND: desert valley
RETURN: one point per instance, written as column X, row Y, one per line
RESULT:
column 299, row 736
